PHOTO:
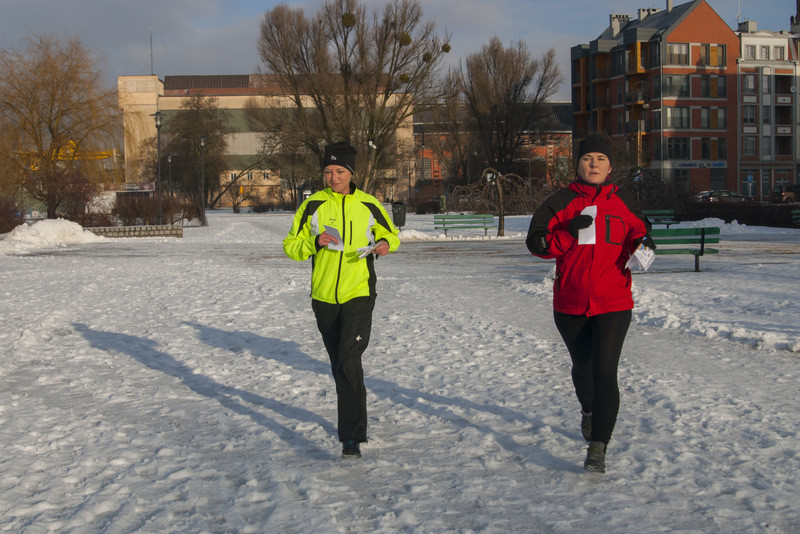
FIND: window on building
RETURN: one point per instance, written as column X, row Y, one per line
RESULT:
column 766, row 84
column 711, row 148
column 766, row 146
column 677, row 117
column 676, row 85
column 657, row 86
column 705, row 148
column 750, row 51
column 765, row 52
column 712, row 118
column 749, row 83
column 779, row 53
column 766, row 116
column 657, row 149
column 713, row 87
column 748, row 146
column 680, row 177
column 705, row 86
column 677, row 53
column 719, row 178
column 722, row 86
column 678, row 148
column 712, row 55
column 655, row 54
column 766, row 183
column 749, row 177
column 620, row 123
column 748, row 114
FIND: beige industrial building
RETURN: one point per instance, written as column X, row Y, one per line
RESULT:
column 141, row 97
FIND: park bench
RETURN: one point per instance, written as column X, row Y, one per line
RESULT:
column 666, row 239
column 796, row 217
column 665, row 217
column 457, row 222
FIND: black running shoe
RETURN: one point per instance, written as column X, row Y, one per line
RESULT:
column 596, row 457
column 350, row 448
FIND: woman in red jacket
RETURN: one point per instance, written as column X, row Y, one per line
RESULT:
column 591, row 228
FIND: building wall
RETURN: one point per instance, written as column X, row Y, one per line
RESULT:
column 768, row 105
column 138, row 98
column 141, row 96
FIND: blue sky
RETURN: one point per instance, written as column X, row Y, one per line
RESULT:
column 219, row 36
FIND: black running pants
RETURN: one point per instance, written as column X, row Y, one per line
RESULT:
column 345, row 330
column 595, row 345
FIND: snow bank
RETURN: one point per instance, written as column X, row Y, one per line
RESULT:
column 46, row 234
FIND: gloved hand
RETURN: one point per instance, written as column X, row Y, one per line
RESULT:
column 647, row 241
column 580, row 221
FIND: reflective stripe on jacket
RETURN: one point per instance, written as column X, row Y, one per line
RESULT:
column 337, row 276
column 590, row 279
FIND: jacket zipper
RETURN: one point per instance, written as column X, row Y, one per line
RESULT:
column 341, row 253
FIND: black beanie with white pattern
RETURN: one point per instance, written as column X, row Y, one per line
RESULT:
column 340, row 153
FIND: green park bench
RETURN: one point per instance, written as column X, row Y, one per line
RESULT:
column 665, row 217
column 666, row 240
column 458, row 222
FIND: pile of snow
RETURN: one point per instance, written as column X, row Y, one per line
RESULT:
column 46, row 234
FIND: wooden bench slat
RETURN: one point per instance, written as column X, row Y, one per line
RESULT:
column 683, row 231
column 686, row 251
column 684, row 241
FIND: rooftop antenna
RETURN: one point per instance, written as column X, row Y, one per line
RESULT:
column 151, row 51
column 739, row 13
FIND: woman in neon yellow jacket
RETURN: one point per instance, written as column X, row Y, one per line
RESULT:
column 343, row 230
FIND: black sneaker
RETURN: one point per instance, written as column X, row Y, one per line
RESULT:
column 586, row 425
column 596, row 457
column 350, row 448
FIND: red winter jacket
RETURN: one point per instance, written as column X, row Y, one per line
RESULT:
column 590, row 279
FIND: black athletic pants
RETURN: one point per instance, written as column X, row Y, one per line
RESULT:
column 345, row 330
column 595, row 344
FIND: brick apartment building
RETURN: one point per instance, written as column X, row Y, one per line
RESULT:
column 671, row 84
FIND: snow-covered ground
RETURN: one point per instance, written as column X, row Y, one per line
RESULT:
column 180, row 385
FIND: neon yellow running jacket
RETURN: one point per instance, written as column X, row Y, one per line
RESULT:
column 338, row 276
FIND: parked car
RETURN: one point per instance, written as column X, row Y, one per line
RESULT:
column 719, row 195
column 785, row 194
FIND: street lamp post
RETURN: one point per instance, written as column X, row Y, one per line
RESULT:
column 203, row 181
column 169, row 179
column 158, row 116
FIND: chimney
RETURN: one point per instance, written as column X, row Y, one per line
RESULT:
column 748, row 26
column 617, row 21
column 644, row 13
column 669, row 6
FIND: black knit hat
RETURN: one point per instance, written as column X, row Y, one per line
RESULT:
column 594, row 143
column 340, row 153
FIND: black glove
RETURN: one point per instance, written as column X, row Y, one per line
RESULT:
column 647, row 241
column 580, row 221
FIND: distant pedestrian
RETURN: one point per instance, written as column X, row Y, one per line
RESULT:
column 343, row 230
column 591, row 228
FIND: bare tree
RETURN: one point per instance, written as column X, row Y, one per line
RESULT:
column 283, row 147
column 65, row 121
column 355, row 78
column 196, row 142
column 505, row 91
